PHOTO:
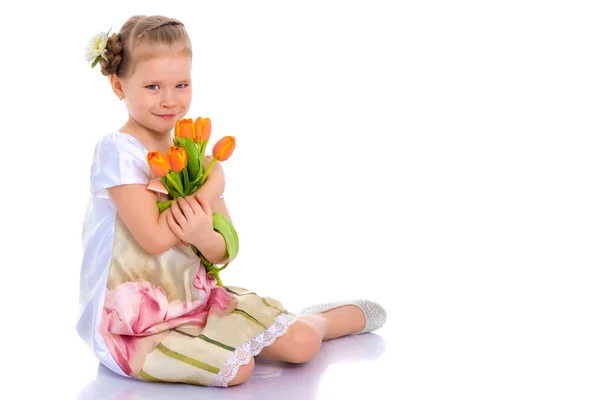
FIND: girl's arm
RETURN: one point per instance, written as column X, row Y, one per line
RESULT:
column 214, row 248
column 137, row 207
column 214, row 186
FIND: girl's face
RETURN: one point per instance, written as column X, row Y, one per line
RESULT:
column 159, row 91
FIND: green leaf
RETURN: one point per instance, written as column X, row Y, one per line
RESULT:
column 96, row 61
column 196, row 182
column 193, row 188
column 170, row 188
column 186, row 181
column 163, row 205
column 177, row 177
column 175, row 181
column 222, row 225
column 192, row 155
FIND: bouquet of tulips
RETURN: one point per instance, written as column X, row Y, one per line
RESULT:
column 182, row 171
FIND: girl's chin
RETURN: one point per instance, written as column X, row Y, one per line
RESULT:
column 161, row 130
column 165, row 126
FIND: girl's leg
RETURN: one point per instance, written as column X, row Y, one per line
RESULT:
column 243, row 373
column 303, row 339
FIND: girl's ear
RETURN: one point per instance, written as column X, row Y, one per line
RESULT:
column 115, row 83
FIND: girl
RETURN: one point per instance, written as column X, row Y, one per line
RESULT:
column 148, row 309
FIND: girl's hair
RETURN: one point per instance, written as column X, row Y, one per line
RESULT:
column 137, row 30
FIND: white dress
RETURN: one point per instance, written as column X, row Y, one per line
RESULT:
column 119, row 159
column 160, row 317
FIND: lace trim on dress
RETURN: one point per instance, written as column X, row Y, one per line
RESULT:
column 242, row 354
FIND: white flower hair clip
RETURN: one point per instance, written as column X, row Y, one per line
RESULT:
column 96, row 48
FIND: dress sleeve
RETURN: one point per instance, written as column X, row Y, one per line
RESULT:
column 118, row 160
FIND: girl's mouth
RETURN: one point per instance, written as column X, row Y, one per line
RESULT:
column 166, row 116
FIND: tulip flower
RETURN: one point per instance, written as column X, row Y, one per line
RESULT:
column 185, row 128
column 159, row 164
column 161, row 167
column 224, row 148
column 203, row 128
column 185, row 136
column 177, row 158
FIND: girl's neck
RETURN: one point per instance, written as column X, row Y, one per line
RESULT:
column 152, row 140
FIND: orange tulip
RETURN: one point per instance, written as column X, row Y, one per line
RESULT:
column 185, row 128
column 177, row 157
column 158, row 163
column 223, row 148
column 203, row 128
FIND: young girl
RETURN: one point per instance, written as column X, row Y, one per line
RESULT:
column 148, row 309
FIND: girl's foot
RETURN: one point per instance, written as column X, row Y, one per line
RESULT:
column 349, row 317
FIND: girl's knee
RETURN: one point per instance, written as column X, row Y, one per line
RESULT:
column 243, row 374
column 305, row 342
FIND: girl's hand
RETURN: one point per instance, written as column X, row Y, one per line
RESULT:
column 190, row 219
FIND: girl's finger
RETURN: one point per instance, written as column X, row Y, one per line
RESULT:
column 173, row 225
column 196, row 207
column 185, row 207
column 177, row 214
column 204, row 204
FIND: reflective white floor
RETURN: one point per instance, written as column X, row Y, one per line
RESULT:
column 467, row 344
column 357, row 358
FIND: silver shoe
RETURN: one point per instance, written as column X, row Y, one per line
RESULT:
column 375, row 314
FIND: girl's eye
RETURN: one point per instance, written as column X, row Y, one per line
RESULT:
column 152, row 87
column 182, row 85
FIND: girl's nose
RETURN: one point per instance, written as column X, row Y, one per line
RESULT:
column 168, row 99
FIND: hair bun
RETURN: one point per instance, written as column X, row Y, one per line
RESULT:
column 113, row 55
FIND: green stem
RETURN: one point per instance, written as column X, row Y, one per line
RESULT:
column 215, row 273
column 223, row 267
column 201, row 147
column 205, row 176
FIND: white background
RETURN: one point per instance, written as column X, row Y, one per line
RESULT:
column 439, row 157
